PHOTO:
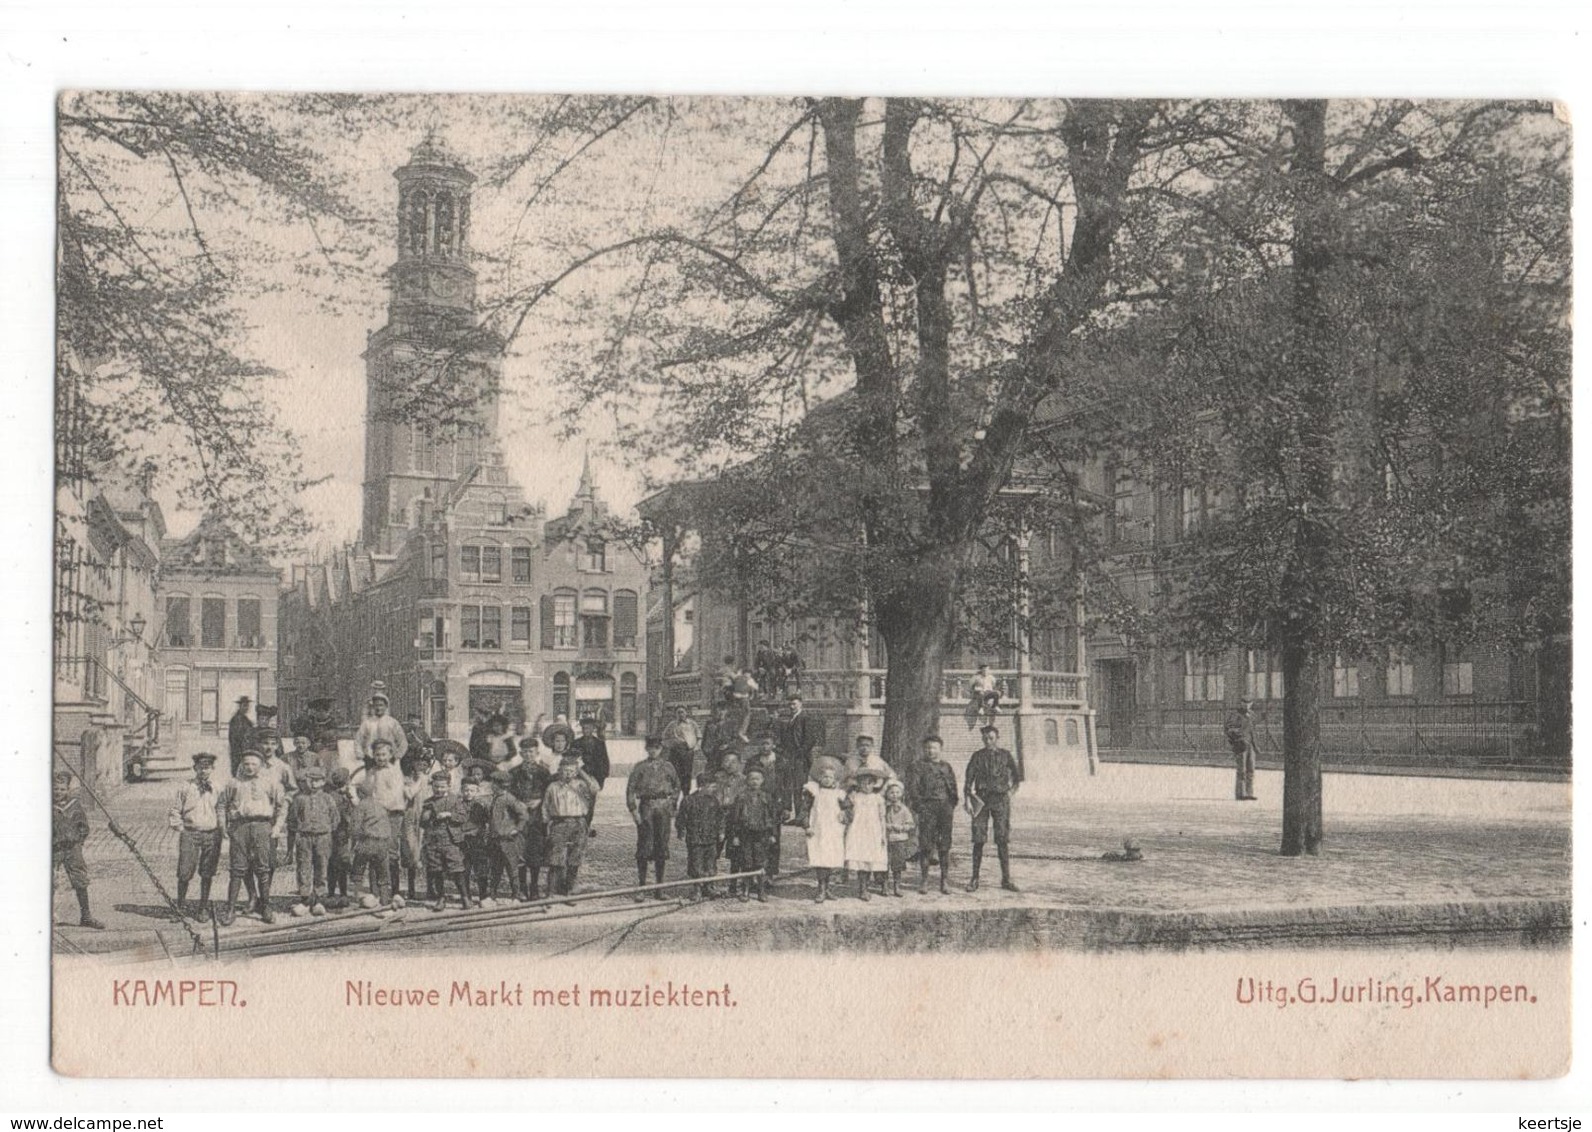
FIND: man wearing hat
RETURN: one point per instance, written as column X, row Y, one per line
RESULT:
column 799, row 735
column 312, row 819
column 652, row 793
column 240, row 733
column 254, row 812
column 592, row 750
column 993, row 776
column 1240, row 732
column 379, row 725
column 199, row 834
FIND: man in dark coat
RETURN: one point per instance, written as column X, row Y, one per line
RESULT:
column 1240, row 732
column 797, row 735
column 240, row 733
column 592, row 750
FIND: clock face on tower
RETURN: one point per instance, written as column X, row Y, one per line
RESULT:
column 442, row 287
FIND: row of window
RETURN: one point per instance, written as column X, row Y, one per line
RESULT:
column 568, row 620
column 483, row 561
column 1132, row 502
column 594, row 696
column 212, row 623
column 1205, row 680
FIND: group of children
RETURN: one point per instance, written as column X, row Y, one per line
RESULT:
column 474, row 827
column 854, row 816
column 481, row 827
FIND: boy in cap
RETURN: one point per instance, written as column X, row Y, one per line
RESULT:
column 651, row 794
column 477, row 812
column 254, row 811
column 386, row 779
column 341, row 861
column 700, row 824
column 993, row 776
column 749, row 828
column 199, row 834
column 312, row 818
column 529, row 782
column 931, row 794
column 442, row 830
column 373, row 840
column 566, row 808
column 68, row 831
column 274, row 767
column 506, row 821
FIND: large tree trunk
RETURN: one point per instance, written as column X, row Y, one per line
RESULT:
column 1301, row 750
column 1311, row 349
column 915, row 623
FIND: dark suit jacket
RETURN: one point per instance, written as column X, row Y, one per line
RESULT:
column 800, row 737
column 593, row 754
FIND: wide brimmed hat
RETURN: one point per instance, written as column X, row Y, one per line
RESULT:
column 244, row 700
column 204, row 759
column 485, row 764
column 871, row 772
column 443, row 746
column 320, row 702
column 827, row 761
column 556, row 729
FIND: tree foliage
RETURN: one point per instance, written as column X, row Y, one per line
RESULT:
column 1369, row 422
column 852, row 340
column 172, row 210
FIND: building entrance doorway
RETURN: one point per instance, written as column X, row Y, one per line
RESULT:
column 1118, row 683
column 508, row 702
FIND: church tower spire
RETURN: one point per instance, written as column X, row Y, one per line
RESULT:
column 432, row 278
column 432, row 372
column 586, row 490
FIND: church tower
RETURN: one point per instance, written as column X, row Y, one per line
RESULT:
column 432, row 372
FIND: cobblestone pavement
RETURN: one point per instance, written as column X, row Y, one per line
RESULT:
column 1390, row 841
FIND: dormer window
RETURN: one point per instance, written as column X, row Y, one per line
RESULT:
column 594, row 556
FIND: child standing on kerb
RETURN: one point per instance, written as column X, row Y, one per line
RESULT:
column 866, row 849
column 900, row 833
column 700, row 824
column 68, row 831
column 826, row 827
